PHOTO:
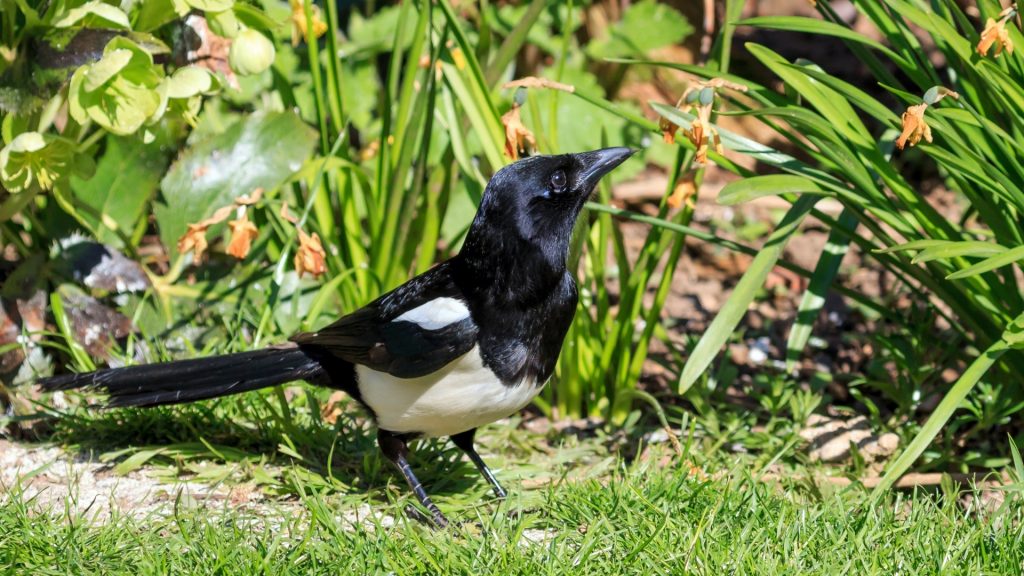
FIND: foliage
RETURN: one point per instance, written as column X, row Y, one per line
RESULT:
column 962, row 121
column 298, row 161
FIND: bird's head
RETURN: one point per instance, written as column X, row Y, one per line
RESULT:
column 530, row 207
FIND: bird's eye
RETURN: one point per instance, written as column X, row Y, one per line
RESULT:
column 558, row 180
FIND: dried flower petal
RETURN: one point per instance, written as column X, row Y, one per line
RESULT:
column 250, row 199
column 194, row 240
column 288, row 215
column 914, row 127
column 685, row 192
column 300, row 26
column 516, row 134
column 310, row 256
column 995, row 33
column 535, row 82
column 668, row 130
column 243, row 232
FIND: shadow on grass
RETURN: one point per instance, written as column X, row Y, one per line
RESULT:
column 292, row 449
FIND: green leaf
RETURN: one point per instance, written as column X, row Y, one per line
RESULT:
column 261, row 151
column 645, row 26
column 940, row 416
column 126, row 179
column 814, row 298
column 119, row 92
column 735, row 308
column 137, row 460
column 812, row 26
column 211, row 5
column 998, row 261
column 956, row 249
column 95, row 14
column 35, row 161
column 191, row 81
column 771, row 185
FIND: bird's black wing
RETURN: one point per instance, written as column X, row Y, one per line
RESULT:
column 374, row 336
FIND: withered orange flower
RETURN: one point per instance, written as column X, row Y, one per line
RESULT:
column 310, row 257
column 701, row 132
column 243, row 232
column 668, row 130
column 288, row 215
column 250, row 199
column 300, row 26
column 996, row 34
column 194, row 239
column 684, row 194
column 517, row 135
column 914, row 127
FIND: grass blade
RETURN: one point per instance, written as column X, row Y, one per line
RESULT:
column 814, row 298
column 732, row 312
column 942, row 414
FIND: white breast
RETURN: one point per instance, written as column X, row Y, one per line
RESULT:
column 461, row 396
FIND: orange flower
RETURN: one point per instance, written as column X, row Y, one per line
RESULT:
column 194, row 240
column 668, row 130
column 516, row 134
column 310, row 256
column 995, row 33
column 243, row 232
column 701, row 132
column 288, row 215
column 914, row 127
column 684, row 193
column 300, row 26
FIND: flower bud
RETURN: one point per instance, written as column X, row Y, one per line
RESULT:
column 251, row 53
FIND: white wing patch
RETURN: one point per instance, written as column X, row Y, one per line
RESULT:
column 436, row 314
column 463, row 395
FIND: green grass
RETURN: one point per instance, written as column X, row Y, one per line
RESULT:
column 586, row 506
column 636, row 518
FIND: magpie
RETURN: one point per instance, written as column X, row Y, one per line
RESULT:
column 468, row 342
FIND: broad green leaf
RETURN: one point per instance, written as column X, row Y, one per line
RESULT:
column 126, row 179
column 998, row 261
column 110, row 64
column 261, row 151
column 34, row 160
column 814, row 297
column 771, row 185
column 190, row 81
column 735, row 307
column 950, row 402
column 95, row 14
column 211, row 5
column 645, row 26
column 119, row 92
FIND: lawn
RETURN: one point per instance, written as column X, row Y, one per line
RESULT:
column 586, row 510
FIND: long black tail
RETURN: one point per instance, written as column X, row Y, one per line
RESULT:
column 191, row 380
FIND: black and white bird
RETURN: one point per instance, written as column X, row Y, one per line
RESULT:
column 468, row 342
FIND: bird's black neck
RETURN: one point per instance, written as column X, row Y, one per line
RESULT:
column 509, row 271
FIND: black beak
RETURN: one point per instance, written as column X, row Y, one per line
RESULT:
column 597, row 163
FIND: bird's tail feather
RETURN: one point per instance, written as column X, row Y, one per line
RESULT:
column 190, row 380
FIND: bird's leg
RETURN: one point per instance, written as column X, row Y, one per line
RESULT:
column 464, row 440
column 395, row 449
